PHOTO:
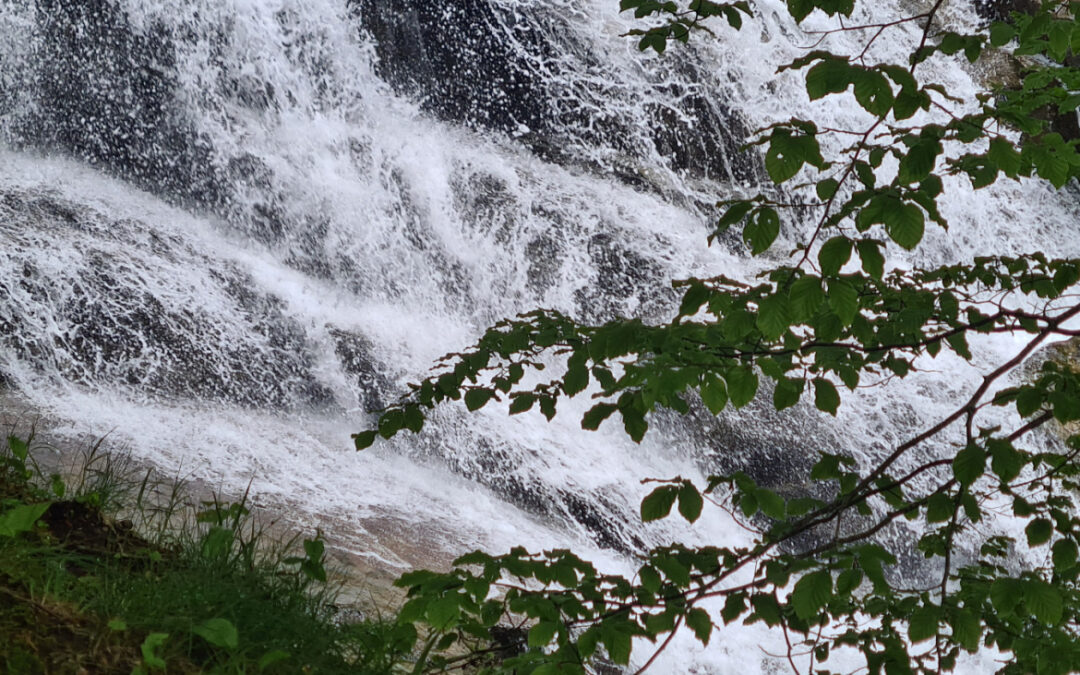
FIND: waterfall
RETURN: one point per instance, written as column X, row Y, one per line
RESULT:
column 230, row 229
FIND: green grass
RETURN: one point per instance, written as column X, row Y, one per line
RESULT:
column 108, row 573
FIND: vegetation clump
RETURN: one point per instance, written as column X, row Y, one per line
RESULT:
column 104, row 573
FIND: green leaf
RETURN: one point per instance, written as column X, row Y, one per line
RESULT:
column 811, row 593
column 1064, row 554
column 1004, row 156
column 787, row 393
column 873, row 262
column 826, row 188
column 698, row 620
column 770, row 503
column 21, row 518
column 364, row 439
column 542, row 633
column 826, row 398
column 1006, row 594
column 774, row 316
column 1044, row 602
column 734, row 606
column 966, row 629
column 574, row 382
column 905, row 225
column 833, row 255
column 969, row 464
column 919, row 160
column 690, row 502
column 1006, row 462
column 831, row 76
column 742, row 384
column 476, row 398
column 873, row 92
column 414, row 418
column 923, row 623
column 761, row 232
column 844, row 300
column 597, row 414
column 149, row 648
column 443, row 613
column 658, row 503
column 939, row 508
column 618, row 644
column 1039, row 531
column 1001, row 34
column 714, row 394
column 634, row 423
column 218, row 632
column 805, row 297
column 274, row 656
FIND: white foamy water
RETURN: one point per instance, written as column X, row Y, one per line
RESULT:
column 360, row 233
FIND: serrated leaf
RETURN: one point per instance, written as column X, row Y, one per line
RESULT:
column 919, row 160
column 969, row 464
column 844, row 300
column 966, row 629
column 690, row 502
column 873, row 262
column 597, row 414
column 698, row 620
column 1044, row 602
column 939, row 508
column 872, row 91
column 770, row 503
column 923, row 623
column 811, row 593
column 831, row 76
column 805, row 297
column 1005, row 595
column 658, row 503
column 787, row 393
column 826, row 397
column 906, row 225
column 364, row 439
column 826, row 188
column 774, row 316
column 1039, row 531
column 477, row 398
column 742, row 385
column 714, row 394
column 1064, row 554
column 833, row 255
column 542, row 633
column 762, row 230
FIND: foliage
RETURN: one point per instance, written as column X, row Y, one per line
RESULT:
column 84, row 592
column 831, row 317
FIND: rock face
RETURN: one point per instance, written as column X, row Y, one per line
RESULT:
column 107, row 96
column 106, row 312
column 517, row 70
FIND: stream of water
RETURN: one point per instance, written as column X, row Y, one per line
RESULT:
column 229, row 229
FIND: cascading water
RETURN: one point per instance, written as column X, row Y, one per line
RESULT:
column 230, row 228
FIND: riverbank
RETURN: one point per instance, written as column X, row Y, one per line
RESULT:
column 106, row 566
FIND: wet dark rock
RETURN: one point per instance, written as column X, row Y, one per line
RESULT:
column 622, row 274
column 355, row 353
column 107, row 96
column 106, row 327
column 520, row 72
column 456, row 59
